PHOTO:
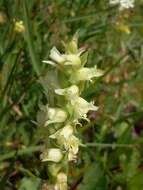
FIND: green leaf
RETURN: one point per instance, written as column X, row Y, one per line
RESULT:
column 136, row 183
column 29, row 39
column 30, row 184
column 94, row 179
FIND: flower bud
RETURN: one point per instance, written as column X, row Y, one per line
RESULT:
column 55, row 115
column 69, row 93
column 47, row 186
column 85, row 73
column 72, row 46
column 52, row 154
column 61, row 183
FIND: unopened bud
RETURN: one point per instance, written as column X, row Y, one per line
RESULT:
column 61, row 182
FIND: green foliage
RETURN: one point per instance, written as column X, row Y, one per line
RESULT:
column 30, row 184
column 136, row 182
column 94, row 179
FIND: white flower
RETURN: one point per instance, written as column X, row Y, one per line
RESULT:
column 64, row 59
column 81, row 107
column 69, row 93
column 66, row 138
column 62, row 177
column 85, row 73
column 55, row 115
column 56, row 56
column 72, row 146
column 63, row 133
column 52, row 154
column 123, row 4
column 72, row 60
column 61, row 183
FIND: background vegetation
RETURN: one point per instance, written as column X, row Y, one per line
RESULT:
column 113, row 157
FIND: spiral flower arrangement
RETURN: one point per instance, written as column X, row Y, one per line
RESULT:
column 62, row 115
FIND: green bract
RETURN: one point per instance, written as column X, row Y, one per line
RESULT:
column 64, row 92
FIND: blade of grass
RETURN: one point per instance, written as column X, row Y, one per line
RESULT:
column 113, row 145
column 6, row 176
column 29, row 40
column 88, row 16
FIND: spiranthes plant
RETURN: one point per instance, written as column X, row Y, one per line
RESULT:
column 65, row 108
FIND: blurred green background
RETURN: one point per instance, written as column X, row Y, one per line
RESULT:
column 113, row 157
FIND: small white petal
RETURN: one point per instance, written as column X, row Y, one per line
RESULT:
column 55, row 55
column 55, row 115
column 70, row 93
column 52, row 154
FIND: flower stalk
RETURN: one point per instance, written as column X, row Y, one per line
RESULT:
column 69, row 108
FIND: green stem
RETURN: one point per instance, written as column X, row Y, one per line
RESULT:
column 113, row 145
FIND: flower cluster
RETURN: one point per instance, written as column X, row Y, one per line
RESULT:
column 123, row 4
column 69, row 108
column 19, row 26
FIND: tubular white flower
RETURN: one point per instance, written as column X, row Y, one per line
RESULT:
column 55, row 115
column 66, row 138
column 64, row 59
column 52, row 154
column 64, row 133
column 69, row 93
column 56, row 56
column 81, row 107
column 61, row 183
column 72, row 59
column 72, row 145
column 85, row 73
